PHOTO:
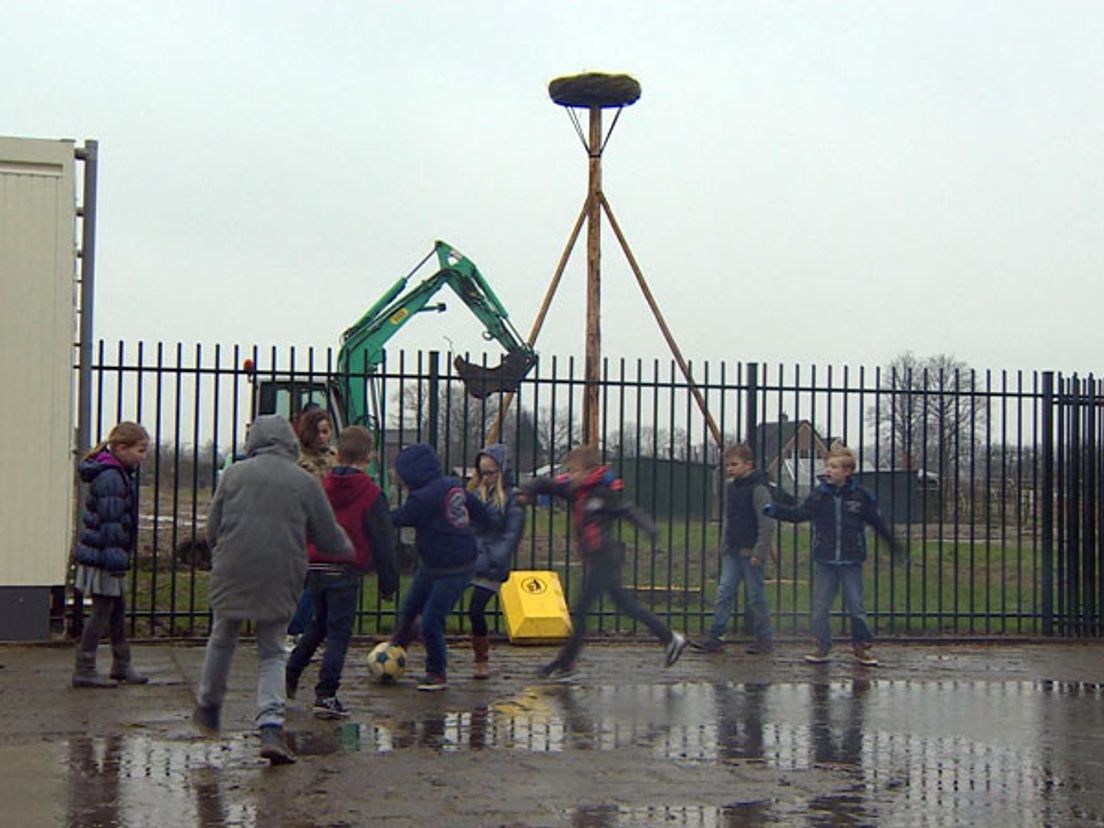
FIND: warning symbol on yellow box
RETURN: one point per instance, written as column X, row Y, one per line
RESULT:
column 534, row 607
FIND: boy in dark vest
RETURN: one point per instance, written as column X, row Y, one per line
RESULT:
column 361, row 509
column 746, row 543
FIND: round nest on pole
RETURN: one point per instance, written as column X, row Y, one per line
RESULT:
column 594, row 89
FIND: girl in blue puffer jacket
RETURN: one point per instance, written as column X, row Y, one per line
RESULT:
column 495, row 547
column 108, row 537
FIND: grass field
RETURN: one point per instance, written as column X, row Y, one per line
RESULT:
column 951, row 585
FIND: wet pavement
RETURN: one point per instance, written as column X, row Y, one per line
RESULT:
column 939, row 735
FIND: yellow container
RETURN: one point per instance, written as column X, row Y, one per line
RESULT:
column 534, row 607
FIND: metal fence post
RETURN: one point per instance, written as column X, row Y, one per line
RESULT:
column 751, row 424
column 1047, row 415
column 434, row 397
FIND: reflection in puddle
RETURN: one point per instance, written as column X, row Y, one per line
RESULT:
column 940, row 753
column 726, row 816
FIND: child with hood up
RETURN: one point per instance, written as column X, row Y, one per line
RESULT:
column 441, row 511
column 264, row 513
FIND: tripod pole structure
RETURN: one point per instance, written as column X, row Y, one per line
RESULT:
column 538, row 323
column 593, row 92
column 594, row 281
column 667, row 335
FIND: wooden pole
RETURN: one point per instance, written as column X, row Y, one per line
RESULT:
column 594, row 282
column 538, row 323
column 650, row 299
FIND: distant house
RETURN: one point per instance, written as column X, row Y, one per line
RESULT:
column 791, row 452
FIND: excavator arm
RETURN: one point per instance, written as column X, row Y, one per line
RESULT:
column 362, row 344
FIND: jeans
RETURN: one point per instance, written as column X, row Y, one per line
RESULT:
column 828, row 579
column 733, row 570
column 602, row 574
column 432, row 598
column 270, row 677
column 303, row 613
column 334, row 597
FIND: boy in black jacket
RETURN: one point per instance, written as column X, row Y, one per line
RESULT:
column 596, row 505
column 747, row 543
column 840, row 511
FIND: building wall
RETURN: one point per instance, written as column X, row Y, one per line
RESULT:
column 37, row 335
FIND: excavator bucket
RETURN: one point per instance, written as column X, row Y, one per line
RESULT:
column 481, row 382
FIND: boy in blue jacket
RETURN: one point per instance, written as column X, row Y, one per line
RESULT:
column 840, row 511
column 441, row 511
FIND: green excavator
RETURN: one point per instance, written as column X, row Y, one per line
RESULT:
column 351, row 393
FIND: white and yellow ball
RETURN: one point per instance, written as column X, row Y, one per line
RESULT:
column 386, row 662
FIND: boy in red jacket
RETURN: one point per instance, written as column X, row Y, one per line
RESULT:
column 594, row 494
column 361, row 509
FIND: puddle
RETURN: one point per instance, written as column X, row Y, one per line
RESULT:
column 890, row 752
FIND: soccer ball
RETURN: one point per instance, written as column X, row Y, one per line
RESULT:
column 386, row 662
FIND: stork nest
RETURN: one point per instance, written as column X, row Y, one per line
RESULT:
column 595, row 89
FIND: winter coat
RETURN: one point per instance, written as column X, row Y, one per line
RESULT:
column 109, row 520
column 747, row 531
column 318, row 463
column 496, row 547
column 264, row 512
column 596, row 507
column 361, row 509
column 840, row 515
column 440, row 510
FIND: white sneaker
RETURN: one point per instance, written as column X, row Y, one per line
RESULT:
column 675, row 647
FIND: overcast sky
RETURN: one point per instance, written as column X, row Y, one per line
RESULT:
column 800, row 182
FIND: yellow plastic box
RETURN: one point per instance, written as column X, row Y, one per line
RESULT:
column 534, row 607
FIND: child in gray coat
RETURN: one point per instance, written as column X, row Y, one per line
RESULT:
column 264, row 512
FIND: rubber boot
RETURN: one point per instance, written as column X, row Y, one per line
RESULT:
column 122, row 669
column 481, row 645
column 85, row 675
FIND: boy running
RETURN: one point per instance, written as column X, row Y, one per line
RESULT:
column 594, row 495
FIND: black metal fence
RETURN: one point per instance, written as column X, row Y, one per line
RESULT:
column 991, row 480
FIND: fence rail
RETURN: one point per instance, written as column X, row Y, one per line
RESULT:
column 991, row 480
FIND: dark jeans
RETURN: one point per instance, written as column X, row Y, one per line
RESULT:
column 477, row 608
column 602, row 575
column 334, row 596
column 107, row 611
column 303, row 613
column 432, row 598
column 827, row 581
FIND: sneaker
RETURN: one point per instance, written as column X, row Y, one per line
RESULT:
column 291, row 685
column 863, row 655
column 819, row 656
column 556, row 672
column 707, row 645
column 290, row 641
column 675, row 647
column 330, row 707
column 760, row 648
column 432, row 681
column 206, row 719
column 274, row 748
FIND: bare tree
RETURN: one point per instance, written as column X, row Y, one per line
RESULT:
column 929, row 414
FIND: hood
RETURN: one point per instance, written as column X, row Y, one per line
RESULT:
column 417, row 465
column 272, row 434
column 343, row 489
column 87, row 469
column 500, row 455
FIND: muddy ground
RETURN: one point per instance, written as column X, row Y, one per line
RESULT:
column 940, row 734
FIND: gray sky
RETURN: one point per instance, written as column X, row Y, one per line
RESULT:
column 800, row 182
